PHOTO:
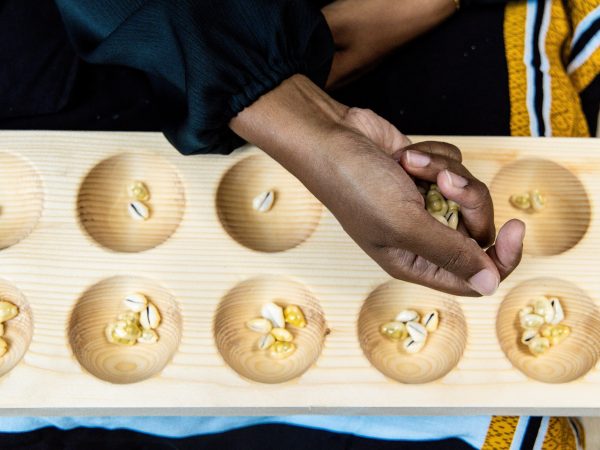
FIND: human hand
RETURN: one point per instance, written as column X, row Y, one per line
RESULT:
column 361, row 168
column 377, row 202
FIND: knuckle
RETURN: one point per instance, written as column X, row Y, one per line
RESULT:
column 457, row 261
column 453, row 152
column 479, row 195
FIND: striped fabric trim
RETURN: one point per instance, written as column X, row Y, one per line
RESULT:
column 544, row 99
column 514, row 42
column 541, row 436
column 531, row 61
column 539, row 92
column 584, row 25
column 588, row 50
column 585, row 49
column 531, row 433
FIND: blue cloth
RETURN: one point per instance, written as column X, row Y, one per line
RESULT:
column 470, row 429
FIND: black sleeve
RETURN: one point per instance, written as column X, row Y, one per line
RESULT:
column 207, row 59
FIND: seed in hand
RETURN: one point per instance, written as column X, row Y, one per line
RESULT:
column 443, row 210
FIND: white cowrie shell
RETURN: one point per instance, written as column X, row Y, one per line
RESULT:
column 265, row 342
column 431, row 320
column 259, row 325
column 441, row 219
column 138, row 210
column 539, row 345
column 150, row 317
column 8, row 310
column 148, row 337
column 543, row 307
column 452, row 220
column 416, row 331
column 559, row 314
column 524, row 311
column 264, row 201
column 537, row 200
column 528, row 335
column 407, row 315
column 274, row 313
column 409, row 345
column 532, row 321
column 3, row 347
column 135, row 302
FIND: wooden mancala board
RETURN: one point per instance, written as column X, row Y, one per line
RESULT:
column 209, row 262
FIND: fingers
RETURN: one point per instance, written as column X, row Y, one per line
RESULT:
column 476, row 207
column 435, row 148
column 505, row 255
column 458, row 184
column 508, row 249
column 413, row 268
column 450, row 251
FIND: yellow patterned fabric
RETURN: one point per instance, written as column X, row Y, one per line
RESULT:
column 553, row 54
column 579, row 11
column 547, row 433
column 500, row 433
column 559, row 435
column 514, row 42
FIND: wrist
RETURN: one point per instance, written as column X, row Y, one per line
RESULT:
column 291, row 120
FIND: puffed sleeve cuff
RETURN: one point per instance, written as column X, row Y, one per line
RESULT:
column 207, row 60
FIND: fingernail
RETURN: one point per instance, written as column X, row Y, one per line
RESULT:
column 485, row 282
column 417, row 159
column 456, row 180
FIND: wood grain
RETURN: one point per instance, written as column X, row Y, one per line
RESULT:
column 196, row 261
column 292, row 219
column 443, row 348
column 567, row 213
column 98, row 307
column 566, row 362
column 238, row 345
column 103, row 200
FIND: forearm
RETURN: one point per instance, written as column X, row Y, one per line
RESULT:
column 291, row 124
column 364, row 31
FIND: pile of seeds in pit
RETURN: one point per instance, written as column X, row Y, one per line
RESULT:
column 410, row 329
column 276, row 338
column 138, row 200
column 541, row 323
column 532, row 201
column 264, row 201
column 136, row 325
column 8, row 311
column 443, row 210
